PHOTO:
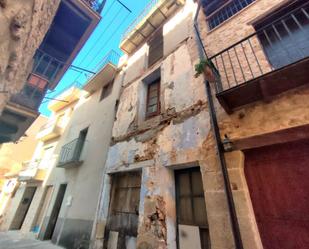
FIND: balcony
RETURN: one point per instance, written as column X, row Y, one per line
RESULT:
column 34, row 171
column 67, row 96
column 108, row 67
column 152, row 17
column 268, row 62
column 49, row 131
column 71, row 154
column 96, row 5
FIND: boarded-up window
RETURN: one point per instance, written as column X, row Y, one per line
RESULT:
column 155, row 48
column 123, row 214
column 153, row 99
column 191, row 208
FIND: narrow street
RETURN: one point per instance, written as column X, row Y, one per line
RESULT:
column 16, row 240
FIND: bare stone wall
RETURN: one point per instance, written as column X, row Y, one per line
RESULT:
column 247, row 59
column 286, row 111
column 23, row 25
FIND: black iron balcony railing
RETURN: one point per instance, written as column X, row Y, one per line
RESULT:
column 71, row 152
column 142, row 15
column 46, row 66
column 112, row 57
column 45, row 71
column 273, row 46
column 96, row 5
column 30, row 97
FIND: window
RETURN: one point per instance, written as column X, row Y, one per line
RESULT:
column 155, row 48
column 80, row 143
column 106, row 90
column 191, row 208
column 153, row 98
column 284, row 34
column 219, row 11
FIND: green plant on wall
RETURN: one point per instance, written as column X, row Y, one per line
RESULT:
column 200, row 67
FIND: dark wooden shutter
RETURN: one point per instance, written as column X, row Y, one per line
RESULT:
column 155, row 48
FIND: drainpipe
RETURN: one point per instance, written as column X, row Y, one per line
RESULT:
column 219, row 144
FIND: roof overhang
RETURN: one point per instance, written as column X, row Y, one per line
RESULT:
column 16, row 119
column 141, row 29
column 101, row 79
column 95, row 18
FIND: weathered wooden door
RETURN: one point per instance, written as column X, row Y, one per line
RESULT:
column 23, row 208
column 42, row 208
column 48, row 235
column 192, row 221
column 122, row 223
column 278, row 181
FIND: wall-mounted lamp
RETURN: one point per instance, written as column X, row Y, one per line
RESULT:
column 227, row 144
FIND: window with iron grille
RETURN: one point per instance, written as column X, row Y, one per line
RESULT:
column 219, row 11
column 155, row 48
column 190, row 202
column 153, row 98
column 284, row 34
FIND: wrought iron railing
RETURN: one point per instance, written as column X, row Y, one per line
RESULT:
column 111, row 57
column 96, row 5
column 46, row 65
column 225, row 11
column 280, row 43
column 45, row 70
column 71, row 152
column 142, row 15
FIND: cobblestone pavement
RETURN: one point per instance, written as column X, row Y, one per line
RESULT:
column 16, row 240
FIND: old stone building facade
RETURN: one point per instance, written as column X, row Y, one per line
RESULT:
column 164, row 186
column 168, row 158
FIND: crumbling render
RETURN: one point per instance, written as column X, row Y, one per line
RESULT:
column 144, row 133
column 152, row 232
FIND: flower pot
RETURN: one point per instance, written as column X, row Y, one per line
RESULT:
column 209, row 75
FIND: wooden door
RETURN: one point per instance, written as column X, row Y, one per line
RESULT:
column 278, row 181
column 23, row 208
column 55, row 213
column 192, row 221
column 123, row 215
column 42, row 208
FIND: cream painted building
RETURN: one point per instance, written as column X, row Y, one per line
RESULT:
column 76, row 177
column 29, row 203
column 12, row 156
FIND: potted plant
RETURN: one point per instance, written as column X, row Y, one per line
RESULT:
column 207, row 67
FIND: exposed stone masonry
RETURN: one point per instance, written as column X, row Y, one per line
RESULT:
column 23, row 27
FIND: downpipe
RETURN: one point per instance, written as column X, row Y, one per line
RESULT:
column 219, row 144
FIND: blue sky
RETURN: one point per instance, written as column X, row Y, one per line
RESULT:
column 107, row 35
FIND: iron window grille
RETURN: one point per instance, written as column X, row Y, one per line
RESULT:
column 226, row 11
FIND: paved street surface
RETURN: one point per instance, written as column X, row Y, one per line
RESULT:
column 15, row 240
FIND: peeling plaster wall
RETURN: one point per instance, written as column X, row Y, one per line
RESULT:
column 23, row 27
column 157, row 145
